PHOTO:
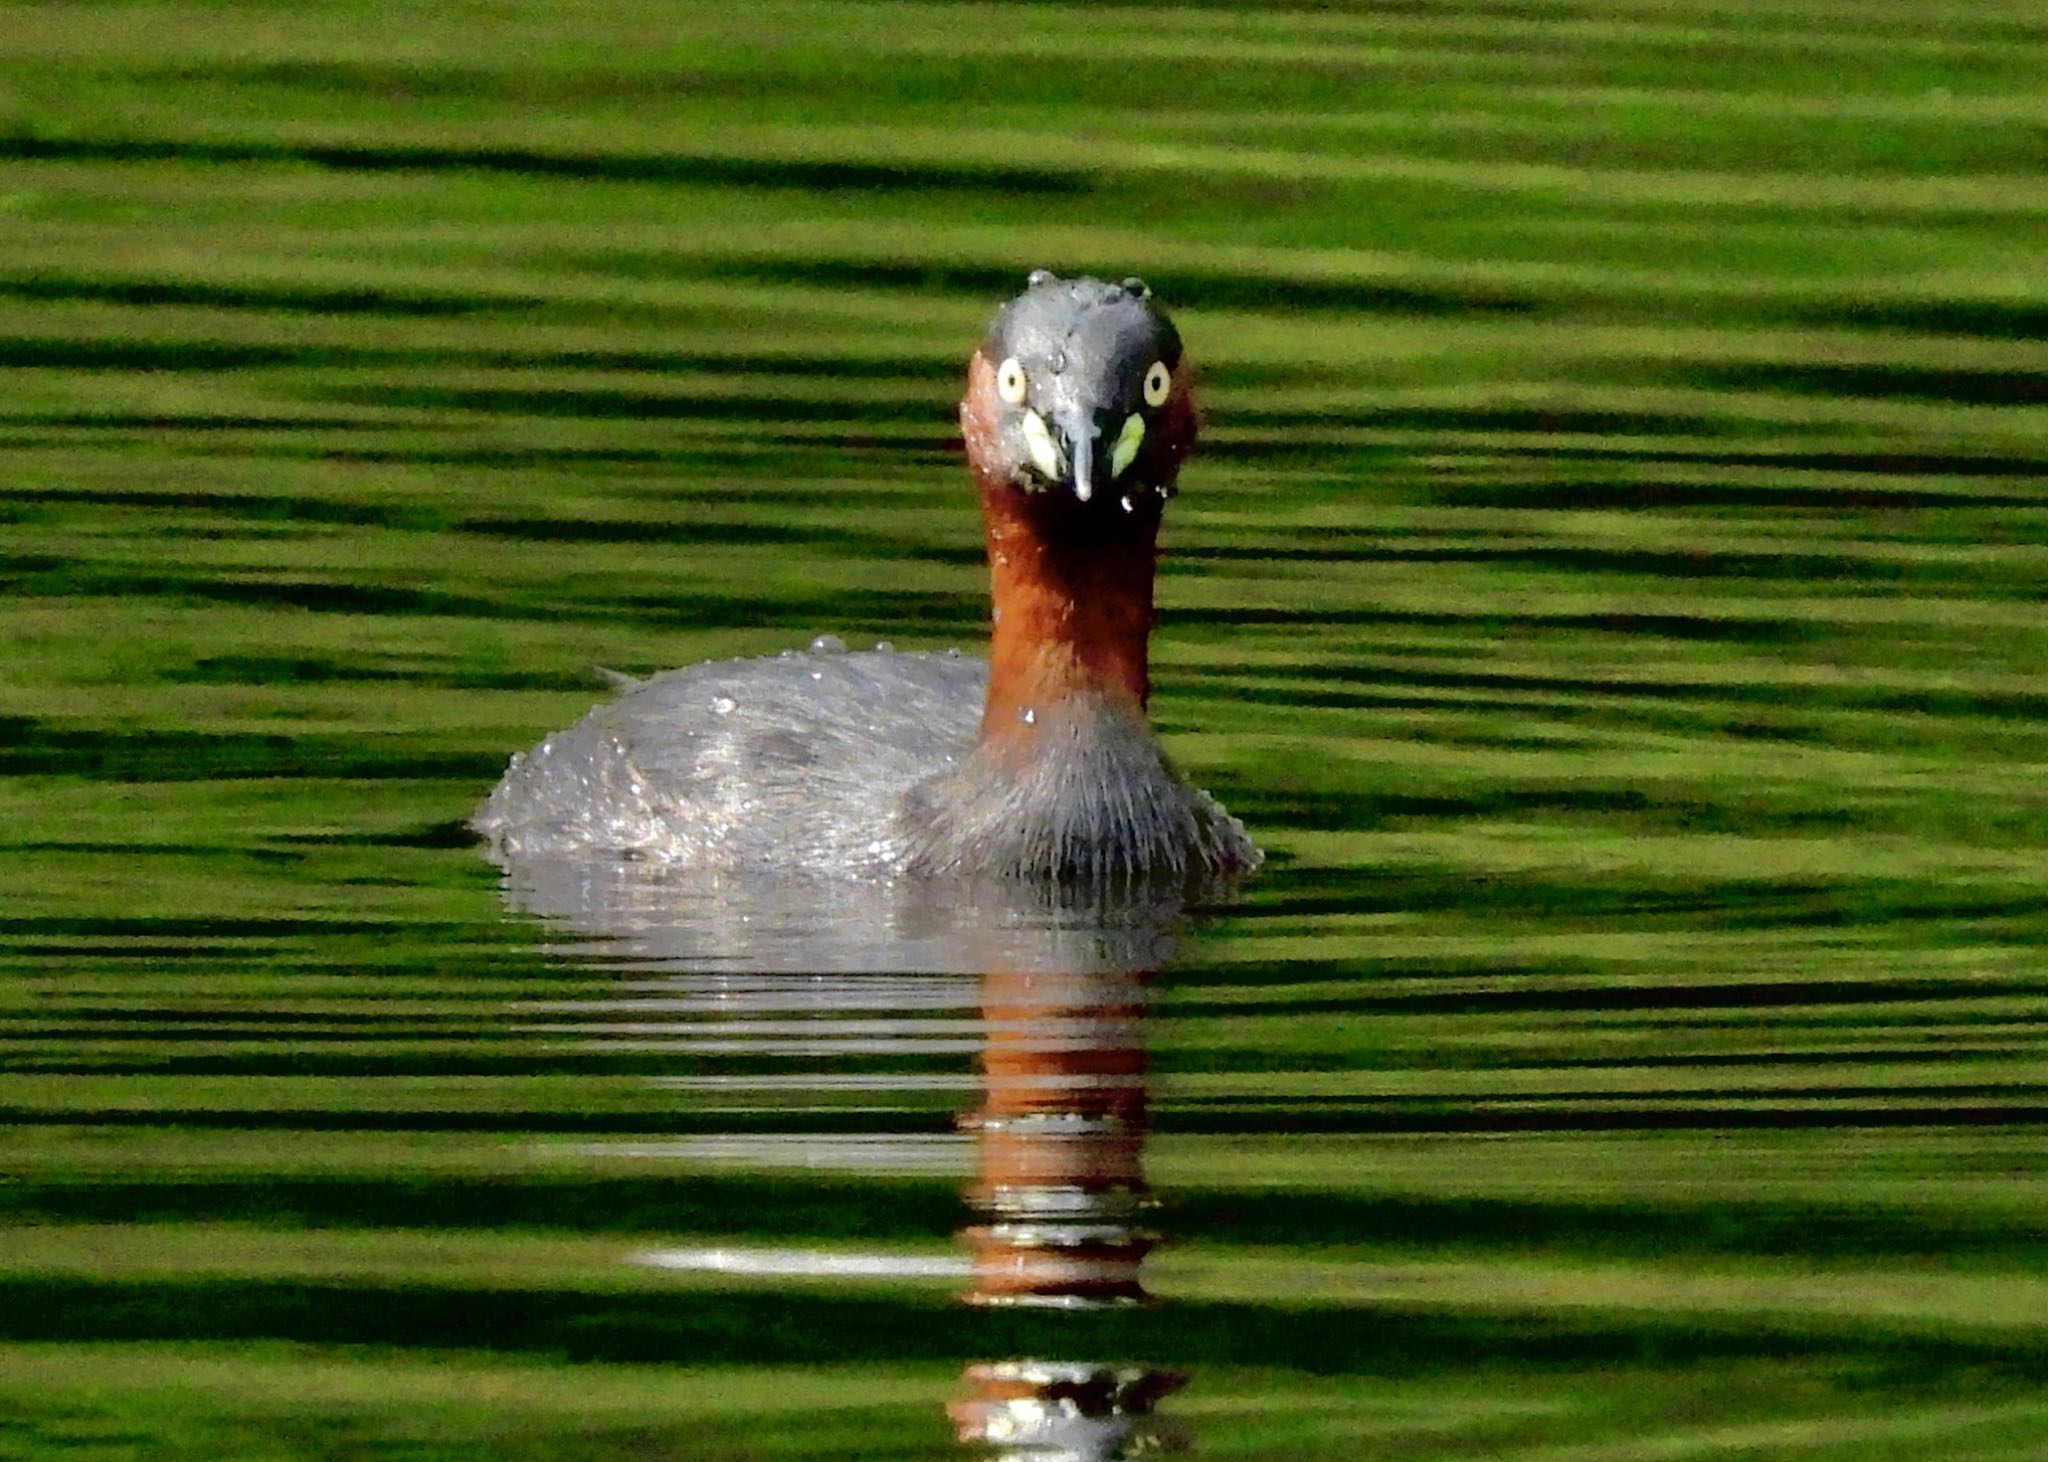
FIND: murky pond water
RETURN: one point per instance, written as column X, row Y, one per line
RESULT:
column 1611, row 589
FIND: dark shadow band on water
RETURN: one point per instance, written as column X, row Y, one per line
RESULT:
column 743, row 172
column 784, row 1327
column 31, row 748
column 815, row 1209
column 55, row 286
column 1956, row 386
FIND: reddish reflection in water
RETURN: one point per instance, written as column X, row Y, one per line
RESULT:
column 1060, row 1178
column 1060, row 1140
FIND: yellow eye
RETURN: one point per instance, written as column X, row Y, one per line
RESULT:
column 1158, row 381
column 1010, row 381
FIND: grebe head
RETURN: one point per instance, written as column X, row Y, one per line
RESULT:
column 1078, row 391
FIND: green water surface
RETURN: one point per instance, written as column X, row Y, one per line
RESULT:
column 1612, row 589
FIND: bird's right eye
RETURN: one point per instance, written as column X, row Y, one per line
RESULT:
column 1010, row 382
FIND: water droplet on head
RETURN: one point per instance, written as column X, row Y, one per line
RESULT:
column 828, row 645
column 723, row 705
column 1129, row 506
column 883, row 647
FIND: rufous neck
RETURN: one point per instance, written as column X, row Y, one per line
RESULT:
column 1072, row 591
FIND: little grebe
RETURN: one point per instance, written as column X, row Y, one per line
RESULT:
column 1037, row 765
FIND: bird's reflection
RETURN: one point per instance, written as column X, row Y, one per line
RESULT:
column 1060, row 1182
column 1060, row 987
column 1060, row 1136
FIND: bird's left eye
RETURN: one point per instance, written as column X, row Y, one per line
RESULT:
column 1010, row 381
column 1158, row 381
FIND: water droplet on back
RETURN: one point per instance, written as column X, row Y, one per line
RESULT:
column 724, row 705
column 828, row 645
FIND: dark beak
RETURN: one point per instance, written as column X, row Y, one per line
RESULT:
column 1082, row 438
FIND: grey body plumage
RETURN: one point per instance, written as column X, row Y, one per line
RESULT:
column 831, row 763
